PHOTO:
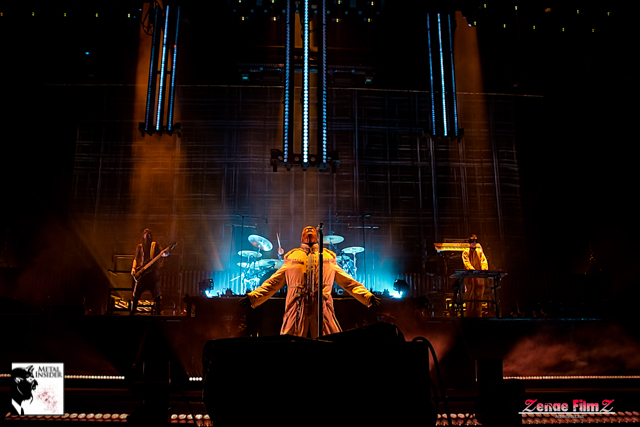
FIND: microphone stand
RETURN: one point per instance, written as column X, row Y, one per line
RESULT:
column 242, row 227
column 320, row 279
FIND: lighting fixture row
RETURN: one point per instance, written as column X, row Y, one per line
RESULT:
column 444, row 109
column 574, row 377
column 155, row 103
column 82, row 377
column 65, row 15
column 531, row 377
column 306, row 157
column 442, row 419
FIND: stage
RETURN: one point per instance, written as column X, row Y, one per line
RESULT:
column 551, row 361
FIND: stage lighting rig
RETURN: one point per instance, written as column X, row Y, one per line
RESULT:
column 286, row 157
column 443, row 121
column 296, row 160
column 162, row 71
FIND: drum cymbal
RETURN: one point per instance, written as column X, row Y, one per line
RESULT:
column 269, row 263
column 333, row 239
column 260, row 242
column 353, row 250
column 249, row 254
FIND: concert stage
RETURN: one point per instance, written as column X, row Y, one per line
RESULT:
column 114, row 363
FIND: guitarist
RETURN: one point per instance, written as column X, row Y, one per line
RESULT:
column 150, row 280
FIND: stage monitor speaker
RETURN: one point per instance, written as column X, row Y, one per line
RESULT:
column 361, row 378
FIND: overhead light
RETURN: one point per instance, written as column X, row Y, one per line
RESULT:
column 155, row 110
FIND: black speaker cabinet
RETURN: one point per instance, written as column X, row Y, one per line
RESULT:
column 369, row 376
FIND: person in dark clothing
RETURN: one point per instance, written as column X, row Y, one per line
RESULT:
column 147, row 279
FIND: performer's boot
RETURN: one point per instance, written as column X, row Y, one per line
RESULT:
column 158, row 301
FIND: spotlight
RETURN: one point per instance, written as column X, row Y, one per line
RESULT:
column 205, row 287
column 444, row 115
column 400, row 288
column 307, row 158
column 160, row 105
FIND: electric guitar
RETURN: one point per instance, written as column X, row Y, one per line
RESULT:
column 145, row 268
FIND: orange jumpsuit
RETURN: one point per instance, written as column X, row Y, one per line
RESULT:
column 475, row 260
column 300, row 315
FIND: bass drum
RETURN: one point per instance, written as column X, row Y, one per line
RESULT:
column 268, row 273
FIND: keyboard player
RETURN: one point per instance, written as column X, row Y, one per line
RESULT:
column 474, row 259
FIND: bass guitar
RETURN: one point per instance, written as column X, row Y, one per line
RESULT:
column 145, row 268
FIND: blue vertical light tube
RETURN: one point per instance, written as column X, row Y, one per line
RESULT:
column 287, row 84
column 453, row 81
column 162, row 71
column 305, row 84
column 433, row 105
column 324, row 82
column 173, row 74
column 442, row 83
column 153, row 75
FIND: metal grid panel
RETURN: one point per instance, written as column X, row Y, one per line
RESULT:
column 193, row 187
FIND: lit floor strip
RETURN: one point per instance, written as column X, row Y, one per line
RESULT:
column 83, row 377
column 576, row 377
column 545, row 377
column 443, row 419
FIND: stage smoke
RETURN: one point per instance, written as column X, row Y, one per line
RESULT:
column 594, row 349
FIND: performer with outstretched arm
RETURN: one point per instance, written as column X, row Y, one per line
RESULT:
column 299, row 272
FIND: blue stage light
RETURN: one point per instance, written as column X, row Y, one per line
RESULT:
column 287, row 83
column 305, row 84
column 173, row 73
column 324, row 81
column 443, row 86
column 453, row 80
column 162, row 71
column 431, row 94
column 151, row 84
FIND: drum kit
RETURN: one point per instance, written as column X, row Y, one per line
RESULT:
column 256, row 270
column 253, row 268
column 344, row 259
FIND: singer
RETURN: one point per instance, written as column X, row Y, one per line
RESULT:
column 300, row 273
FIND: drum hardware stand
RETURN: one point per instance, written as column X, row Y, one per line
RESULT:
column 363, row 217
column 242, row 227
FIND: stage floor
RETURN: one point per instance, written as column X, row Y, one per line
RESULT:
column 552, row 360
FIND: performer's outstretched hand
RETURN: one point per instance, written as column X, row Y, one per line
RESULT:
column 374, row 300
column 245, row 302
